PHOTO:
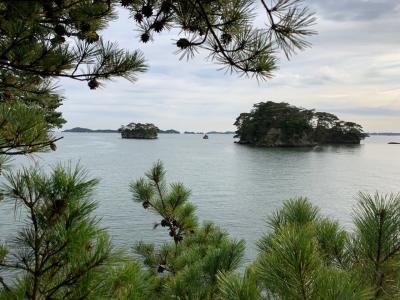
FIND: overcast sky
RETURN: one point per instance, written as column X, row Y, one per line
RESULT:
column 352, row 70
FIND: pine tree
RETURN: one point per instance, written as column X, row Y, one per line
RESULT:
column 307, row 256
column 190, row 266
column 60, row 252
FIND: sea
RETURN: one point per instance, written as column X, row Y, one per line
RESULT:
column 235, row 186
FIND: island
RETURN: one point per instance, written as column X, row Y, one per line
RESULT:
column 147, row 131
column 168, row 131
column 221, row 132
column 272, row 124
column 385, row 133
column 81, row 129
column 192, row 132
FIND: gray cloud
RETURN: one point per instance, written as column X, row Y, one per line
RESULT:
column 355, row 9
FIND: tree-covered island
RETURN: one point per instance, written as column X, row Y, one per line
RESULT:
column 272, row 124
column 139, row 131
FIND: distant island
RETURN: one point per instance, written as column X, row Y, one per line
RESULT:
column 81, row 129
column 139, row 131
column 192, row 132
column 385, row 133
column 221, row 132
column 168, row 131
column 272, row 124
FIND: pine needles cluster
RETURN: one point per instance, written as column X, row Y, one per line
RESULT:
column 60, row 250
column 225, row 30
column 308, row 256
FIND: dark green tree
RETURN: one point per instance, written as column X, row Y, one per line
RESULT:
column 271, row 123
column 139, row 131
column 275, row 124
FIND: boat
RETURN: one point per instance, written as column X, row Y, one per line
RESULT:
column 205, row 137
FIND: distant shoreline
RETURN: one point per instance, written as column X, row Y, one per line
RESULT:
column 169, row 131
column 172, row 131
column 385, row 133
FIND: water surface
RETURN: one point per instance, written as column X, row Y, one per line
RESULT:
column 233, row 185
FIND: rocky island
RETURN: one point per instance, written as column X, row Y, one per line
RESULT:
column 139, row 131
column 272, row 124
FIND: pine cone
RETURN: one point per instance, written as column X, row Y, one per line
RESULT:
column 183, row 43
column 126, row 3
column 147, row 11
column 145, row 37
column 226, row 38
column 85, row 27
column 138, row 17
column 158, row 26
column 93, row 84
column 60, row 29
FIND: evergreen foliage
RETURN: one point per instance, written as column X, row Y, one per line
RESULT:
column 307, row 256
column 225, row 30
column 60, row 251
column 192, row 264
column 281, row 124
column 139, row 131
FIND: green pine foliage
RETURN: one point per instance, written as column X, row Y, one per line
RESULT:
column 23, row 129
column 225, row 30
column 44, row 40
column 188, row 267
column 307, row 256
column 60, row 251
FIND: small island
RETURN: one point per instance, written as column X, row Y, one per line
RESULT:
column 147, row 131
column 168, row 131
column 220, row 132
column 81, row 129
column 272, row 124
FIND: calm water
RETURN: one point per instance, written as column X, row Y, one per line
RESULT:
column 235, row 186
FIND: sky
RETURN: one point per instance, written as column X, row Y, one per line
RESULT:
column 351, row 70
